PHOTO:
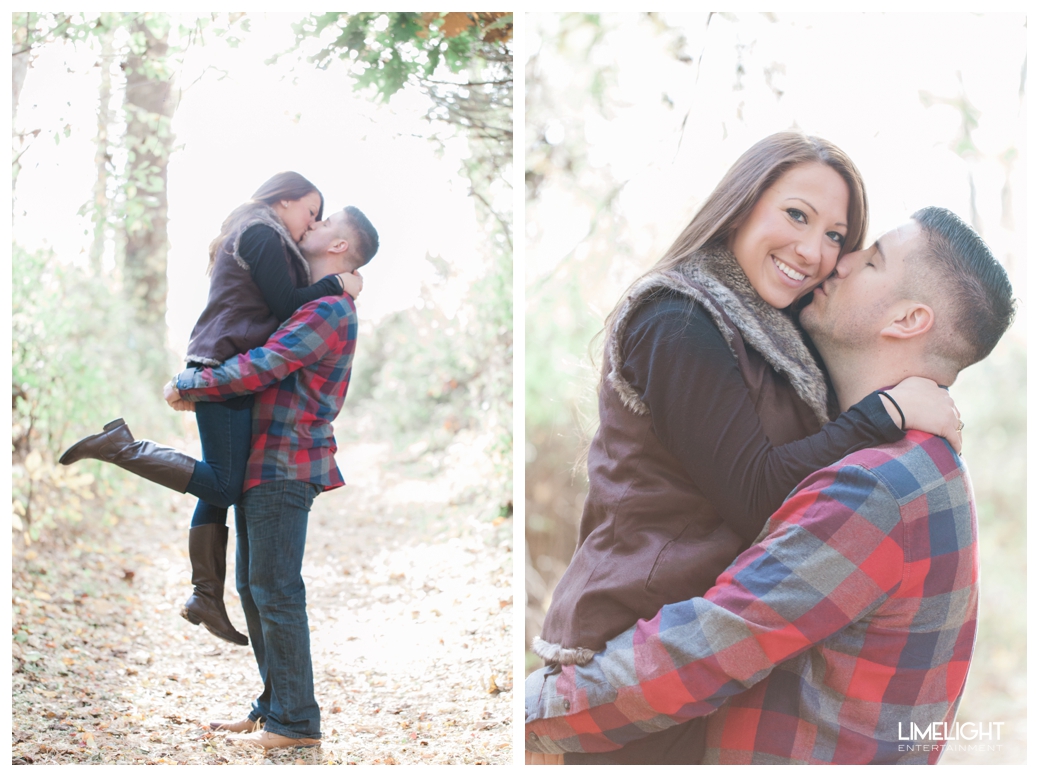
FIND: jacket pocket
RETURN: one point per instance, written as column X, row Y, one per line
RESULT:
column 688, row 565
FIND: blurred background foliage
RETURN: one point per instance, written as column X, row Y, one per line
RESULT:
column 631, row 119
column 89, row 332
column 70, row 337
column 79, row 329
column 431, row 368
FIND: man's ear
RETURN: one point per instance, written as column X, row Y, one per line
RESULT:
column 912, row 319
column 340, row 246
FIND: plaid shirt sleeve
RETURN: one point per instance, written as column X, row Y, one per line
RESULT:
column 829, row 556
column 303, row 339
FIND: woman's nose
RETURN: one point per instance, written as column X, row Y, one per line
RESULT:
column 810, row 249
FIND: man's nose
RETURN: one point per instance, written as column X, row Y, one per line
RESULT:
column 844, row 265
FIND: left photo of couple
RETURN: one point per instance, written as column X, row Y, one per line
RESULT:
column 262, row 388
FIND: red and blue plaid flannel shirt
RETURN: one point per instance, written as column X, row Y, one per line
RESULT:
column 843, row 636
column 300, row 376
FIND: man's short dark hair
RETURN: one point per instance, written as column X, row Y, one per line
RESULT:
column 367, row 239
column 974, row 284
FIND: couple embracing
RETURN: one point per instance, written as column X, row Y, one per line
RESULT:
column 268, row 368
column 777, row 564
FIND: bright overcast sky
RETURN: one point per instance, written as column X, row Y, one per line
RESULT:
column 859, row 80
column 234, row 133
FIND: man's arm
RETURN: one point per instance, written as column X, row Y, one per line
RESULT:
column 833, row 553
column 309, row 334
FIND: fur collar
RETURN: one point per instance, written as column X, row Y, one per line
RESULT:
column 714, row 279
column 262, row 213
column 551, row 653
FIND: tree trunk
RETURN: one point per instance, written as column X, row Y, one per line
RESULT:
column 102, row 155
column 21, row 57
column 150, row 104
column 21, row 50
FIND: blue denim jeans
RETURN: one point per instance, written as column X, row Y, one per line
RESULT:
column 271, row 521
column 226, row 433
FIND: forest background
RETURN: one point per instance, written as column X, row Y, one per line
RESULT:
column 137, row 135
column 631, row 120
column 133, row 136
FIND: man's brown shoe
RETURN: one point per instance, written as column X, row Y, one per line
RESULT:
column 269, row 741
column 244, row 726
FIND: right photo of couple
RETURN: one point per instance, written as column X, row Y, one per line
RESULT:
column 774, row 513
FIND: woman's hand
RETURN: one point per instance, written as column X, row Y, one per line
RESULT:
column 927, row 408
column 352, row 283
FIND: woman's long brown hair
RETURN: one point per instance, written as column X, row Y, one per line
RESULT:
column 737, row 193
column 282, row 186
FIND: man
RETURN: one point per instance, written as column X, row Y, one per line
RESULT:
column 300, row 377
column 847, row 630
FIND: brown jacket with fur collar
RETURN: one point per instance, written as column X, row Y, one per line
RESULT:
column 236, row 317
column 648, row 537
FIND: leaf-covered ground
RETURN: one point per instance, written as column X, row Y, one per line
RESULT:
column 409, row 592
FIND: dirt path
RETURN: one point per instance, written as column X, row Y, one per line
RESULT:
column 409, row 594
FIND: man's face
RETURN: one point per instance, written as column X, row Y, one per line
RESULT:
column 323, row 234
column 854, row 304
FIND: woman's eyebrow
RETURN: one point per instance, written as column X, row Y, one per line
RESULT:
column 806, row 202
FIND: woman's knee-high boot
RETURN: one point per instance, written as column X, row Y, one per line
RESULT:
column 144, row 458
column 207, row 549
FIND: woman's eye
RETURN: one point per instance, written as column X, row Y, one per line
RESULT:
column 836, row 237
column 797, row 215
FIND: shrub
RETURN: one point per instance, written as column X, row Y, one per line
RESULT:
column 72, row 371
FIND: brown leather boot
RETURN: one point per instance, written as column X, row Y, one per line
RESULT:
column 207, row 549
column 144, row 458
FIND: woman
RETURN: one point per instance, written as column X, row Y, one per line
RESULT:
column 258, row 279
column 711, row 406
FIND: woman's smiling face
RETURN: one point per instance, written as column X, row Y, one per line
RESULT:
column 791, row 240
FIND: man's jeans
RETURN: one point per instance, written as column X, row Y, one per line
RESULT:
column 271, row 521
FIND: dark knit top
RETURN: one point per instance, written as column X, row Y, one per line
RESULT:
column 682, row 368
column 257, row 281
column 262, row 250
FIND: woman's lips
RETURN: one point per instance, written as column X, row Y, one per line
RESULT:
column 795, row 277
